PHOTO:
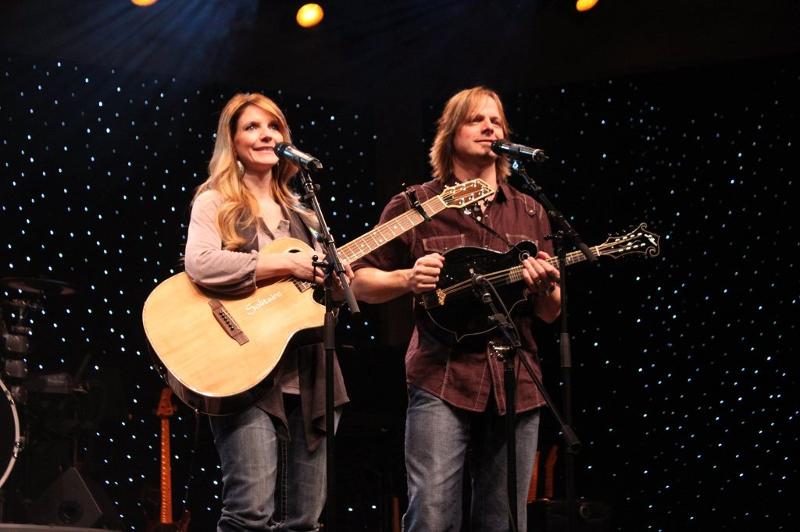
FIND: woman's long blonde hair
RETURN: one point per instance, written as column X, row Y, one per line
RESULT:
column 239, row 207
column 459, row 108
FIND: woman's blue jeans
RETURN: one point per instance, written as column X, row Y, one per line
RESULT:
column 250, row 453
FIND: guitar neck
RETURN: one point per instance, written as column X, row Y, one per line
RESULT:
column 166, row 475
column 387, row 231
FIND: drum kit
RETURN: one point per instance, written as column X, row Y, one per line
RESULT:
column 22, row 302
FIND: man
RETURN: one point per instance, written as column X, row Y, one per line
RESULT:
column 456, row 396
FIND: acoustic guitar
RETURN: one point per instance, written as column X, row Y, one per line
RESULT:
column 218, row 353
column 456, row 311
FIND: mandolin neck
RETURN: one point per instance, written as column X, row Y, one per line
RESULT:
column 572, row 257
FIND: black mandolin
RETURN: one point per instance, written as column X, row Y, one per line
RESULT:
column 454, row 307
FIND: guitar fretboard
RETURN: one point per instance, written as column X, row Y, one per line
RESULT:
column 385, row 232
column 166, row 474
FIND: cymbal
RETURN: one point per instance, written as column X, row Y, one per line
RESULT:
column 38, row 286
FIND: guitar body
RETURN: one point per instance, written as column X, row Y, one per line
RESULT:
column 465, row 314
column 207, row 368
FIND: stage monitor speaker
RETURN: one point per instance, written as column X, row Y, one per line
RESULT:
column 550, row 516
column 74, row 500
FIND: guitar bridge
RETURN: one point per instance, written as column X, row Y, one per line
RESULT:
column 227, row 322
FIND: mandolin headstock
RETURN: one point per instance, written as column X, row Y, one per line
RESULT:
column 640, row 241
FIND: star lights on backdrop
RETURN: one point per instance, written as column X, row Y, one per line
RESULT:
column 685, row 383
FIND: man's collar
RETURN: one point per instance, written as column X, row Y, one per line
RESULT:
column 502, row 191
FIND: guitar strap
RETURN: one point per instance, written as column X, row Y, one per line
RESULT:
column 297, row 229
column 480, row 222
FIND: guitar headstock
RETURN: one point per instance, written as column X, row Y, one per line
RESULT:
column 165, row 406
column 640, row 240
column 466, row 193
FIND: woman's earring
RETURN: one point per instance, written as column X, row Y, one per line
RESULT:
column 239, row 167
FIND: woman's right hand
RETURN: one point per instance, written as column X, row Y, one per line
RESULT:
column 301, row 266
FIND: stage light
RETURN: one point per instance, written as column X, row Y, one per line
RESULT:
column 309, row 15
column 585, row 5
column 143, row 3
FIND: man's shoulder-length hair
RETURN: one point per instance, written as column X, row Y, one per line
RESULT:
column 458, row 110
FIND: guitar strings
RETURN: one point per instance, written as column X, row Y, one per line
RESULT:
column 354, row 249
column 513, row 274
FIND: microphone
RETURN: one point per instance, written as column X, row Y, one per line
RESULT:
column 502, row 147
column 301, row 159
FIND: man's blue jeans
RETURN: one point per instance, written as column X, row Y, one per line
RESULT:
column 249, row 452
column 440, row 440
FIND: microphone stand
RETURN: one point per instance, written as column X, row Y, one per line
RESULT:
column 505, row 353
column 332, row 266
column 488, row 295
column 565, row 232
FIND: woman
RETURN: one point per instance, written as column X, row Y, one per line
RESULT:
column 273, row 453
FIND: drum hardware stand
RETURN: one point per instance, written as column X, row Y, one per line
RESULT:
column 16, row 348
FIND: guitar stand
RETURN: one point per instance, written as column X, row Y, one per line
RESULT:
column 500, row 315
